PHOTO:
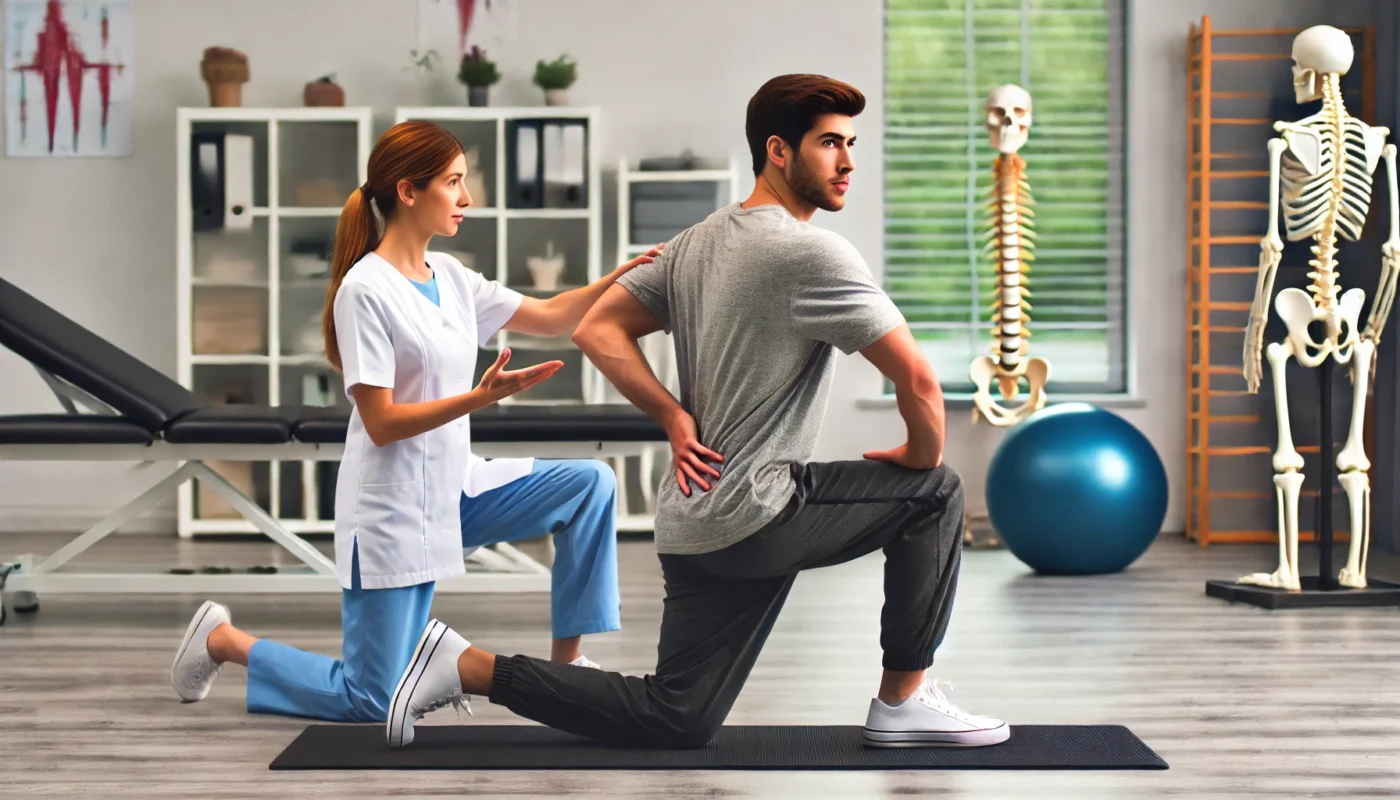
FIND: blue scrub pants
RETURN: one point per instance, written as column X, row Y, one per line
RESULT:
column 573, row 500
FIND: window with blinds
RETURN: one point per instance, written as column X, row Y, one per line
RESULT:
column 942, row 60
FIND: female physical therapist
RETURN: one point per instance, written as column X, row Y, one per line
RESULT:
column 403, row 324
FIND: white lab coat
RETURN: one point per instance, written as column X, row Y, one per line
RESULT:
column 400, row 502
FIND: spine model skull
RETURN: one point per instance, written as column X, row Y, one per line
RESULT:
column 1325, row 164
column 1011, row 246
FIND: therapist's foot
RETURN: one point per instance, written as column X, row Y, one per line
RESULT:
column 195, row 667
column 228, row 644
column 445, row 669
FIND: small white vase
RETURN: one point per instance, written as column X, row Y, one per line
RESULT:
column 545, row 271
column 556, row 97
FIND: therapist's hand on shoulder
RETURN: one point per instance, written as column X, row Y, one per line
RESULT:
column 645, row 258
column 498, row 382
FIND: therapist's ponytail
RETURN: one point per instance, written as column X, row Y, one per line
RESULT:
column 354, row 238
column 413, row 151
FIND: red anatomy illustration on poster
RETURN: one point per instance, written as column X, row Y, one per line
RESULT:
column 55, row 51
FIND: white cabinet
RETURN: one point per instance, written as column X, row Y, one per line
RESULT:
column 259, row 192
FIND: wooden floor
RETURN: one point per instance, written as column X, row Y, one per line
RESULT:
column 1241, row 702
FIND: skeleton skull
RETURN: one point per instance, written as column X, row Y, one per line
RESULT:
column 1009, row 117
column 1317, row 51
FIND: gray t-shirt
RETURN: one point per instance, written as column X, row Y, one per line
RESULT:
column 757, row 302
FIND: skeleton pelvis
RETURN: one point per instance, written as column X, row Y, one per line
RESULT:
column 986, row 369
column 1299, row 310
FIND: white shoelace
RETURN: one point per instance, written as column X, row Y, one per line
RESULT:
column 938, row 695
column 458, row 700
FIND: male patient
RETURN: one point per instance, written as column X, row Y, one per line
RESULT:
column 758, row 300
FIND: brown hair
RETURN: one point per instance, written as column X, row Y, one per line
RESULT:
column 788, row 106
column 414, row 151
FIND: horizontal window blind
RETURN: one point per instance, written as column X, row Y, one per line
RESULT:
column 942, row 60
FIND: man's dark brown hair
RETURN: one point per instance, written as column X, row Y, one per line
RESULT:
column 787, row 106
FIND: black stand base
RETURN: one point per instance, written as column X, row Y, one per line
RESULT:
column 1377, row 593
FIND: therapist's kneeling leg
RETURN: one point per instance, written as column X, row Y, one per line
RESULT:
column 576, row 501
column 378, row 627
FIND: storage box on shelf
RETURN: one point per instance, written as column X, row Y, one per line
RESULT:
column 535, row 223
column 259, row 193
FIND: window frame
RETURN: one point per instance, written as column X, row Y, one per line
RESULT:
column 957, row 388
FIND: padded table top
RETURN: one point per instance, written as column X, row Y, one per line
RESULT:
column 69, row 429
column 254, row 424
column 516, row 423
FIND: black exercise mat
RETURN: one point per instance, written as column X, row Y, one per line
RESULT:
column 362, row 747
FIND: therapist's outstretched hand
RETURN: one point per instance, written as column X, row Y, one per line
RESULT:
column 497, row 382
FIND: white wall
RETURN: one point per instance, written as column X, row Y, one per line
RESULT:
column 656, row 70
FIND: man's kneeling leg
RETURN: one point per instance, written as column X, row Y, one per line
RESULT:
column 712, row 630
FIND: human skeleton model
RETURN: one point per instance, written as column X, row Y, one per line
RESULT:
column 1325, row 163
column 1011, row 245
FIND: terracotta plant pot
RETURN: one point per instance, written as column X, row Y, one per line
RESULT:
column 323, row 93
column 225, row 70
column 225, row 95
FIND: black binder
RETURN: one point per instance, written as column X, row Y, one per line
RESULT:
column 524, row 164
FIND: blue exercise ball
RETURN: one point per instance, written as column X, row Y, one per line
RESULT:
column 1076, row 490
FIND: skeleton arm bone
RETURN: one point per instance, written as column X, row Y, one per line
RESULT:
column 1270, row 253
column 1390, row 260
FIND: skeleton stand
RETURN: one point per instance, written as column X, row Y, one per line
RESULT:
column 1322, row 589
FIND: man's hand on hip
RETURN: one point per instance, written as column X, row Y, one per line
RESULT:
column 688, row 454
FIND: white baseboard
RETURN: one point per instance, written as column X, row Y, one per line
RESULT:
column 73, row 521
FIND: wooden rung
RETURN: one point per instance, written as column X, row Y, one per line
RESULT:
column 1240, row 95
column 1226, row 393
column 1252, row 451
column 1238, row 204
column 1251, row 57
column 1235, row 33
column 1232, row 270
column 1267, row 495
column 1264, row 537
column 1239, row 418
column 1234, row 240
column 1250, row 173
column 1222, row 306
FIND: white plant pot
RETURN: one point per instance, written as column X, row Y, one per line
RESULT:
column 556, row 97
column 544, row 272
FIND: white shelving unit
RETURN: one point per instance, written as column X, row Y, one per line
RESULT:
column 658, row 348
column 497, row 241
column 249, row 299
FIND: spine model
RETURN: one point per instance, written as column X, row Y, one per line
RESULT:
column 1011, row 245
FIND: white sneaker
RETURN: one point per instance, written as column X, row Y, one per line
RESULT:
column 582, row 661
column 928, row 718
column 428, row 683
column 194, row 670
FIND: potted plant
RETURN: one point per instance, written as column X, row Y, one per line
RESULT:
column 555, row 77
column 478, row 73
column 323, row 91
column 225, row 70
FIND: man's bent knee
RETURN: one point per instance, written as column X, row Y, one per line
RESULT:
column 943, row 486
column 692, row 731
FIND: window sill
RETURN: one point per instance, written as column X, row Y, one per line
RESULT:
column 960, row 401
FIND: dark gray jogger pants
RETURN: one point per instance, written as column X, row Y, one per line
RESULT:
column 720, row 606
